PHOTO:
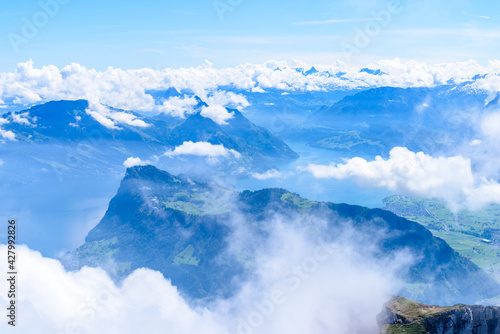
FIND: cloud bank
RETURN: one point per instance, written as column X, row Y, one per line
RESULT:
column 417, row 174
column 130, row 89
column 126, row 89
column 298, row 287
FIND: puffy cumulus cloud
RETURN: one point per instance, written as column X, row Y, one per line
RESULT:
column 4, row 133
column 178, row 107
column 133, row 161
column 7, row 134
column 298, row 286
column 126, row 89
column 217, row 102
column 116, row 88
column 20, row 118
column 87, row 301
column 227, row 99
column 216, row 113
column 413, row 73
column 490, row 81
column 204, row 149
column 417, row 174
column 109, row 118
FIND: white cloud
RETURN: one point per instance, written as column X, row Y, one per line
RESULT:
column 1, row 162
column 270, row 174
column 478, row 16
column 109, row 118
column 202, row 148
column 21, row 118
column 179, row 107
column 103, row 120
column 132, row 161
column 226, row 99
column 216, row 113
column 126, row 89
column 4, row 133
column 87, row 301
column 258, row 90
column 7, row 134
column 417, row 174
column 332, row 288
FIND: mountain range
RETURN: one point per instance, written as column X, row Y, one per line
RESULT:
column 375, row 120
column 183, row 229
column 66, row 137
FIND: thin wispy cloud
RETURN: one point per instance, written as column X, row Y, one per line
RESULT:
column 335, row 21
column 483, row 33
column 165, row 32
column 479, row 16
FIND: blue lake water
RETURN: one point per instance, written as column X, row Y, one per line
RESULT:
column 306, row 185
column 54, row 217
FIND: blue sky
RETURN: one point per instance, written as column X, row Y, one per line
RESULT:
column 157, row 34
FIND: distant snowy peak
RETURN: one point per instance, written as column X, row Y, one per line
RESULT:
column 141, row 89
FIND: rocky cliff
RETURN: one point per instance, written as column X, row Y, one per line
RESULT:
column 402, row 315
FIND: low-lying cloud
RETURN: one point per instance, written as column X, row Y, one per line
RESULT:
column 130, row 89
column 111, row 119
column 6, row 134
column 417, row 174
column 217, row 113
column 178, row 107
column 270, row 174
column 134, row 161
column 203, row 149
column 297, row 286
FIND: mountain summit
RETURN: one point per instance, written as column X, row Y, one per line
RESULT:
column 183, row 229
column 83, row 140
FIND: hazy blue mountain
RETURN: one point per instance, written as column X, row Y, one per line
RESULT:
column 181, row 228
column 62, row 135
column 373, row 72
column 278, row 109
column 162, row 95
column 67, row 121
column 375, row 120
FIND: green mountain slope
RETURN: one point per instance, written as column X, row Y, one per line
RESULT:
column 181, row 228
column 473, row 234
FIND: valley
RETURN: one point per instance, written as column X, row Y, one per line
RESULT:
column 474, row 234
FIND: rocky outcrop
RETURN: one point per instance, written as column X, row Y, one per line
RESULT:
column 405, row 316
